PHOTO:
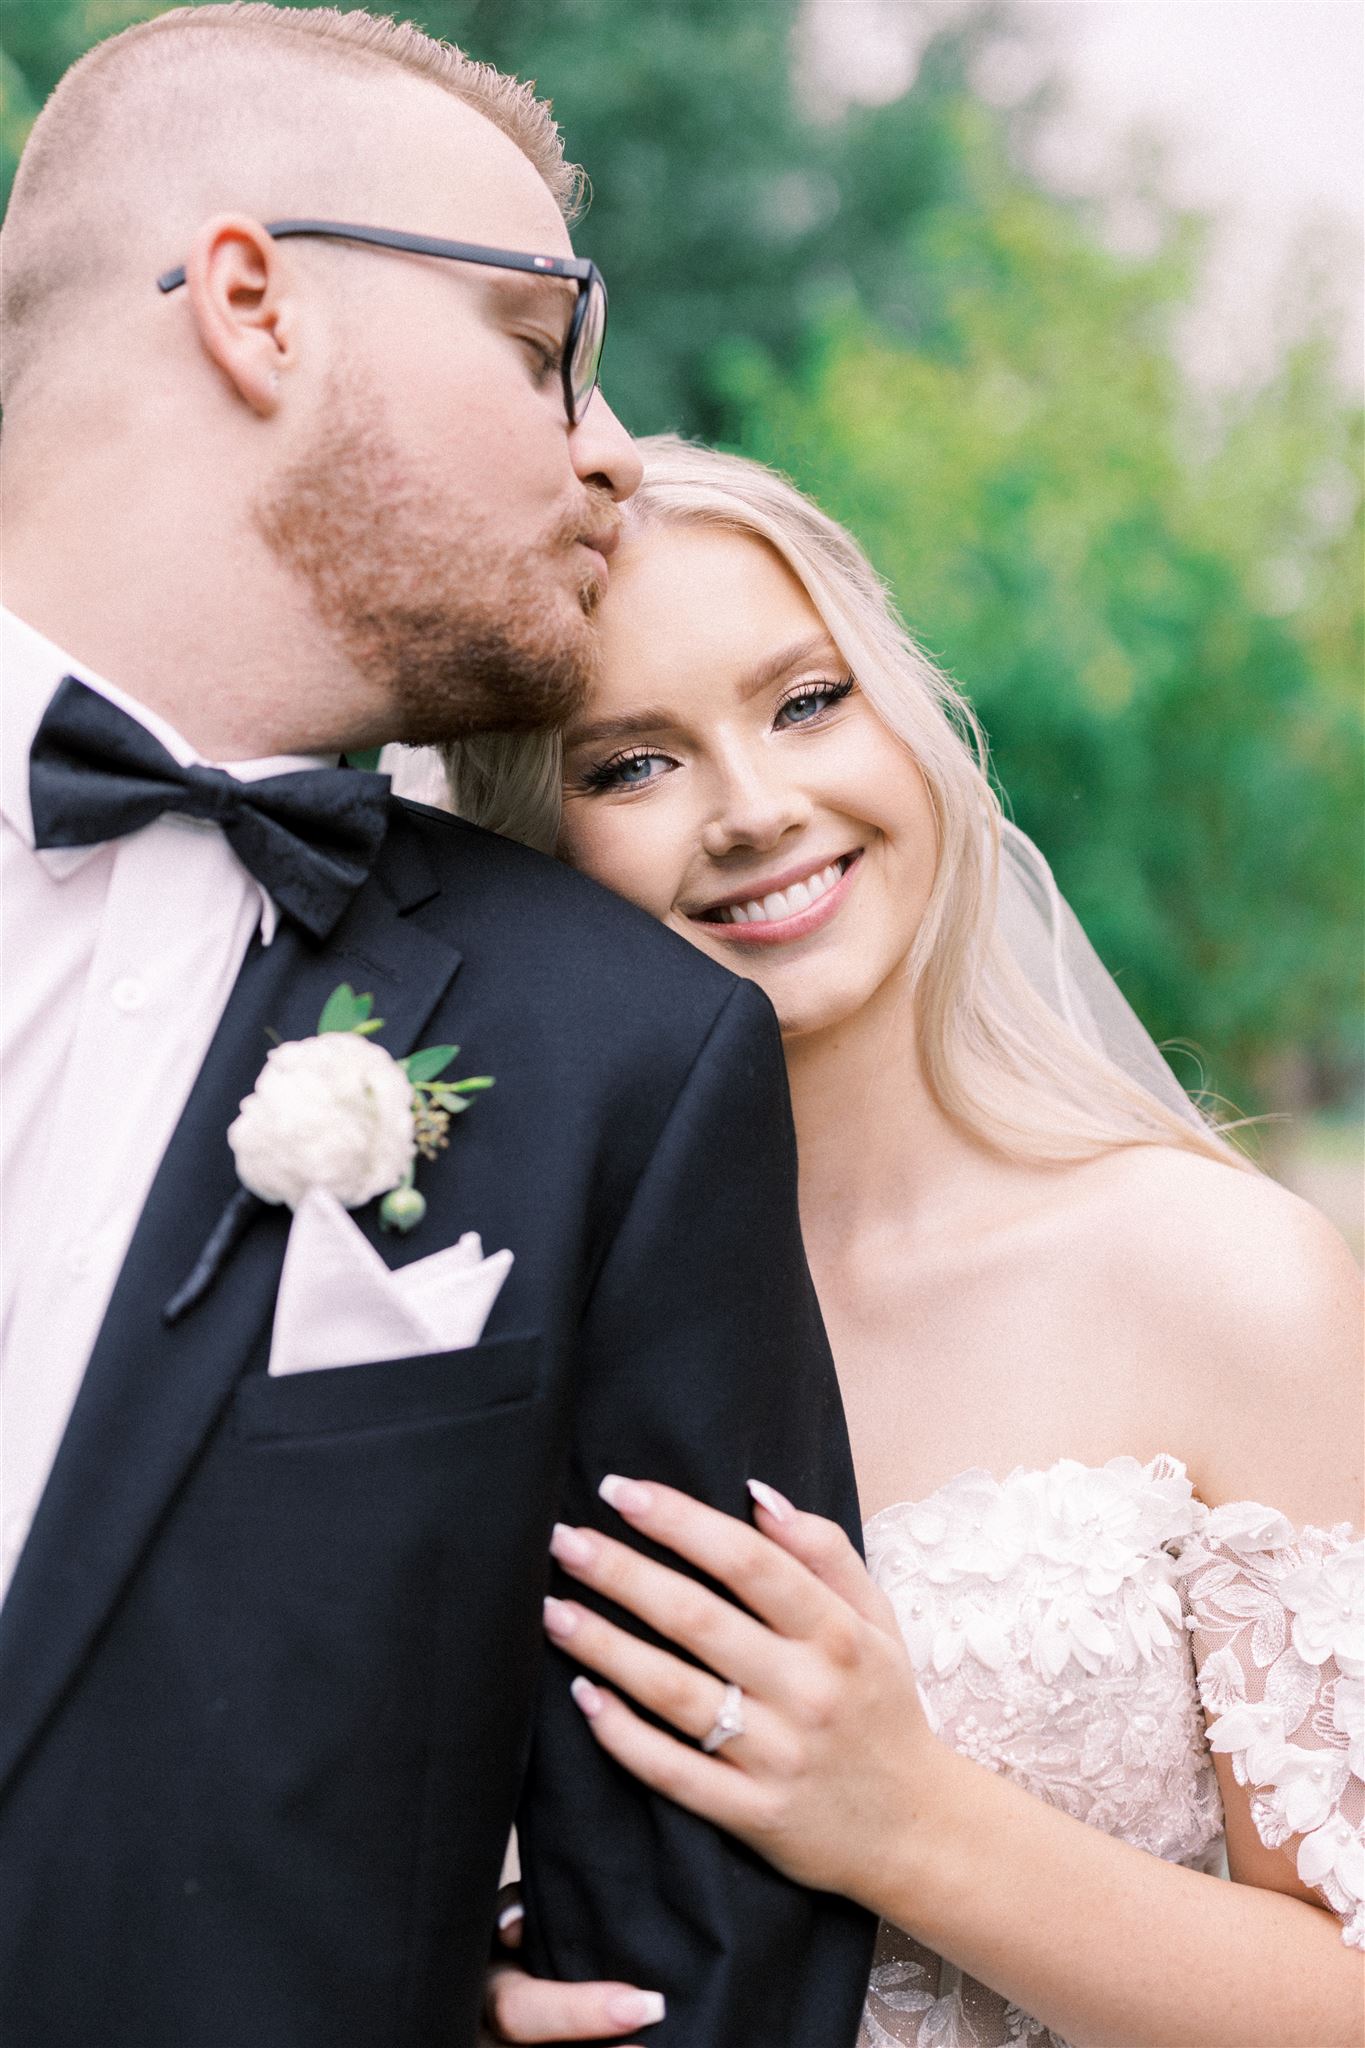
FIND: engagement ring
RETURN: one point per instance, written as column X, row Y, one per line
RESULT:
column 729, row 1721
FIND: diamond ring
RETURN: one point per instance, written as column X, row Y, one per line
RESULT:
column 729, row 1720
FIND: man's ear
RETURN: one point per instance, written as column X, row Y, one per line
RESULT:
column 240, row 293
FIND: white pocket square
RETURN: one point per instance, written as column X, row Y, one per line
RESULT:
column 339, row 1304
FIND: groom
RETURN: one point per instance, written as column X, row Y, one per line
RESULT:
column 272, row 1684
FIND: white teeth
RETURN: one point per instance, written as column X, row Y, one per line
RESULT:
column 783, row 902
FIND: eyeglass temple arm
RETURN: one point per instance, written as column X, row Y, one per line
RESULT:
column 576, row 268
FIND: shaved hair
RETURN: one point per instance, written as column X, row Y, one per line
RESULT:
column 234, row 108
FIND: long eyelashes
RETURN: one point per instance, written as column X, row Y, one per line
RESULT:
column 613, row 774
column 823, row 695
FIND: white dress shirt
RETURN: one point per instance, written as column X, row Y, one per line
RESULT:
column 117, row 962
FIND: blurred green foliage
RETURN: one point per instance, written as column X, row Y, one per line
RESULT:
column 1154, row 600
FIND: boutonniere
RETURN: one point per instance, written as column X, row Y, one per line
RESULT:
column 336, row 1111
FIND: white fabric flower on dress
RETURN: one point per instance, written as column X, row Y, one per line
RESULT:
column 1327, row 1601
column 332, row 1112
column 1070, row 1627
column 937, row 1631
column 969, row 1526
column 1348, row 1719
column 1306, row 1787
column 1242, row 1525
column 1151, row 1608
column 1335, row 1851
column 1089, row 1519
column 1254, row 1737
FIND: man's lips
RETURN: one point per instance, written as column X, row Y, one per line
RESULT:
column 790, row 906
column 601, row 545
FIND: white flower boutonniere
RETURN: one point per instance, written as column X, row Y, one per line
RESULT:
column 334, row 1111
column 337, row 1111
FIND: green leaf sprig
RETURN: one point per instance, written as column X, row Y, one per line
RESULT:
column 434, row 1101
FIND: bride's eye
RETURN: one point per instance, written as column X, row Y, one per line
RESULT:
column 809, row 700
column 626, row 771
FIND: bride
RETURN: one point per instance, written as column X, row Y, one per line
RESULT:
column 1101, row 1376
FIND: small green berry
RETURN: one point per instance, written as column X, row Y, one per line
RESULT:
column 402, row 1209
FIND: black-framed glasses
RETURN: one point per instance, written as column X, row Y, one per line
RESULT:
column 581, row 358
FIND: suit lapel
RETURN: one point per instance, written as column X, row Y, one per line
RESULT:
column 151, row 1393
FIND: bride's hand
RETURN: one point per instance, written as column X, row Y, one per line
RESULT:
column 518, row 2007
column 835, row 1767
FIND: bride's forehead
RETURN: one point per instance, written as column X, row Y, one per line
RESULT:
column 681, row 595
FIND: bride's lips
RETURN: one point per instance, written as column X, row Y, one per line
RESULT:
column 783, row 931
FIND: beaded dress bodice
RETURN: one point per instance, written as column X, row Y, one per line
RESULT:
column 1064, row 1625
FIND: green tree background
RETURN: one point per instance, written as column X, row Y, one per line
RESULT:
column 1153, row 598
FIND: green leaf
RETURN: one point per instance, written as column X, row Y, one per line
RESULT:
column 344, row 1010
column 427, row 1064
column 476, row 1086
column 444, row 1095
column 370, row 1025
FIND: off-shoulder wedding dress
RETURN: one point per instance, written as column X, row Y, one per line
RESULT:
column 1093, row 1633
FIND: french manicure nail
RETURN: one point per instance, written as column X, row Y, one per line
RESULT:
column 636, row 2008
column 509, row 1917
column 570, row 1546
column 777, row 1504
column 587, row 1698
column 627, row 1496
column 560, row 1618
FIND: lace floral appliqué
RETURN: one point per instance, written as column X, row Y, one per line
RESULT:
column 1278, row 1622
column 1041, row 1615
column 1057, row 1620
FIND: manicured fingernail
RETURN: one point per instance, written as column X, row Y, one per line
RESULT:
column 777, row 1504
column 570, row 1546
column 509, row 1917
column 560, row 1619
column 627, row 1496
column 636, row 2008
column 587, row 1698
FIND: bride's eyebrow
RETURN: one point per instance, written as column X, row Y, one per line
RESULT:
column 813, row 647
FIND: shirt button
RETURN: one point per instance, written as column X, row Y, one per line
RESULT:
column 128, row 994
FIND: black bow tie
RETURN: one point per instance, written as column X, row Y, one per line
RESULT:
column 310, row 838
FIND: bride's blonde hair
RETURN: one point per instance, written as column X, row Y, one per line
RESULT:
column 1000, row 1062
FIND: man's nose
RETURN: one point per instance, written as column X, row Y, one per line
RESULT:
column 603, row 453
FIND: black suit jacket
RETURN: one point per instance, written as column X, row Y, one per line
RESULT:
column 272, row 1677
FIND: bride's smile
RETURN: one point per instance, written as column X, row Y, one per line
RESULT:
column 782, row 909
column 730, row 776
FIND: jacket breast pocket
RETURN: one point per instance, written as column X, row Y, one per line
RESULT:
column 392, row 1393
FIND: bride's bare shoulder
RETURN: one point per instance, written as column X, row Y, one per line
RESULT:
column 1252, row 1296
column 1187, row 1218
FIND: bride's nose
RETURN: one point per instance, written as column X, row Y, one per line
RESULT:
column 755, row 805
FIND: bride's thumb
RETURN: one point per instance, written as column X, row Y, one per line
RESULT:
column 822, row 1547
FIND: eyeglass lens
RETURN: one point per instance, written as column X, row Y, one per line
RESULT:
column 587, row 349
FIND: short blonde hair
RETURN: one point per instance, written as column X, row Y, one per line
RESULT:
column 47, row 241
column 1000, row 1061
